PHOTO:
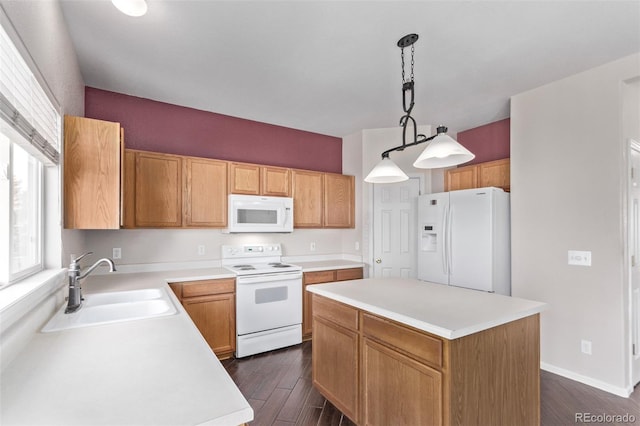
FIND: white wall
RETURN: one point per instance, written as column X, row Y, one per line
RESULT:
column 39, row 31
column 567, row 176
column 352, row 165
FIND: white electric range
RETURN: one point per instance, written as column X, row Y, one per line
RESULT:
column 268, row 298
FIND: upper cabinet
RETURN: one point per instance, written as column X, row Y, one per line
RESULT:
column 492, row 173
column 205, row 192
column 253, row 179
column 163, row 190
column 158, row 190
column 92, row 173
column 308, row 193
column 339, row 201
column 323, row 200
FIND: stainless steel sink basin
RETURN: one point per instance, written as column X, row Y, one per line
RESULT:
column 107, row 308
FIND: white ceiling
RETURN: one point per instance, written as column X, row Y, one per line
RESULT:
column 333, row 67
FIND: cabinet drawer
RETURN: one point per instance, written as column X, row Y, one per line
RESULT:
column 207, row 287
column 319, row 277
column 348, row 274
column 336, row 312
column 416, row 344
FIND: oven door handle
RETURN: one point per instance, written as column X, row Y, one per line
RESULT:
column 259, row 279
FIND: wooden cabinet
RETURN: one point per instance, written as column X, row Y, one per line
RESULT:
column 252, row 179
column 92, row 173
column 323, row 200
column 211, row 306
column 339, row 201
column 319, row 277
column 481, row 175
column 163, row 190
column 405, row 376
column 308, row 193
column 495, row 173
column 158, row 190
column 205, row 193
column 275, row 181
column 335, row 365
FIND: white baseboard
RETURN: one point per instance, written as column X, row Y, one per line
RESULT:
column 616, row 390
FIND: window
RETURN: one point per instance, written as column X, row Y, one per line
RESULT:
column 29, row 140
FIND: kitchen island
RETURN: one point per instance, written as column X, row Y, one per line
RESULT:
column 398, row 351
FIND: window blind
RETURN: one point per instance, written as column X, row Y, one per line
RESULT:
column 25, row 106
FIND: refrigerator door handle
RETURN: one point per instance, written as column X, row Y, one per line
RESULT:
column 450, row 241
column 445, row 261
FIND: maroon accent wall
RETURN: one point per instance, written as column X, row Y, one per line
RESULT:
column 489, row 142
column 157, row 126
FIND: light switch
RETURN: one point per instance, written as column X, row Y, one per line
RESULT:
column 580, row 258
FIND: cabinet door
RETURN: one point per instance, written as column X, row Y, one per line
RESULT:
column 215, row 318
column 335, row 365
column 461, row 178
column 309, row 278
column 339, row 201
column 244, row 178
column 398, row 390
column 92, row 167
column 307, row 190
column 205, row 200
column 495, row 173
column 276, row 181
column 158, row 190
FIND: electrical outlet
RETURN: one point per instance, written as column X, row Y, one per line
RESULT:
column 585, row 346
column 580, row 258
column 201, row 250
column 117, row 253
column 357, row 245
column 312, row 247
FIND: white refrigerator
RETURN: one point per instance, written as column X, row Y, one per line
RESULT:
column 465, row 239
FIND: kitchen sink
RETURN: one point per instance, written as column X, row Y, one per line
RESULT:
column 107, row 308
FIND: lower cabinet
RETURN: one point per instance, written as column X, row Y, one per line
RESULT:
column 380, row 372
column 211, row 304
column 320, row 277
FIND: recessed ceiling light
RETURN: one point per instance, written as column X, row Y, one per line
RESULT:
column 131, row 7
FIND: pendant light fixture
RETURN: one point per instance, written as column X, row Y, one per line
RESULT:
column 443, row 151
column 131, row 7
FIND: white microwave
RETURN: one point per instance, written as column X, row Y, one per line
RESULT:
column 255, row 213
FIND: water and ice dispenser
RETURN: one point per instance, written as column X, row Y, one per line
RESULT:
column 429, row 237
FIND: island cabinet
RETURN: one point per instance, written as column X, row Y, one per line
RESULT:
column 253, row 179
column 211, row 306
column 319, row 277
column 380, row 372
column 93, row 155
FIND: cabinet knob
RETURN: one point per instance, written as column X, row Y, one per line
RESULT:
column 378, row 260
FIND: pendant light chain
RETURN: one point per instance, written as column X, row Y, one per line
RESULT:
column 412, row 62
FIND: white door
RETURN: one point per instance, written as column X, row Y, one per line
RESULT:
column 395, row 229
column 634, row 251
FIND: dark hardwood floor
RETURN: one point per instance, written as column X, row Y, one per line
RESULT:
column 278, row 386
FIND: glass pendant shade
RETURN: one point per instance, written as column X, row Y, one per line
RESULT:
column 443, row 151
column 131, row 7
column 386, row 171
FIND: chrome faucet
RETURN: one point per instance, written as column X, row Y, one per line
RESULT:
column 74, row 301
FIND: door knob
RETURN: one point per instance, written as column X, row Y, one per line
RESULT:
column 378, row 260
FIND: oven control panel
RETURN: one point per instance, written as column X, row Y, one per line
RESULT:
column 253, row 250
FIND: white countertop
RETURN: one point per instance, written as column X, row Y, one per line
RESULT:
column 448, row 312
column 157, row 371
column 324, row 265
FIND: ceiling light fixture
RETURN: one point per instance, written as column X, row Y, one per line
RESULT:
column 443, row 151
column 131, row 7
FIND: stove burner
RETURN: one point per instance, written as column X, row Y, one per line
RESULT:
column 246, row 268
column 281, row 265
column 242, row 266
